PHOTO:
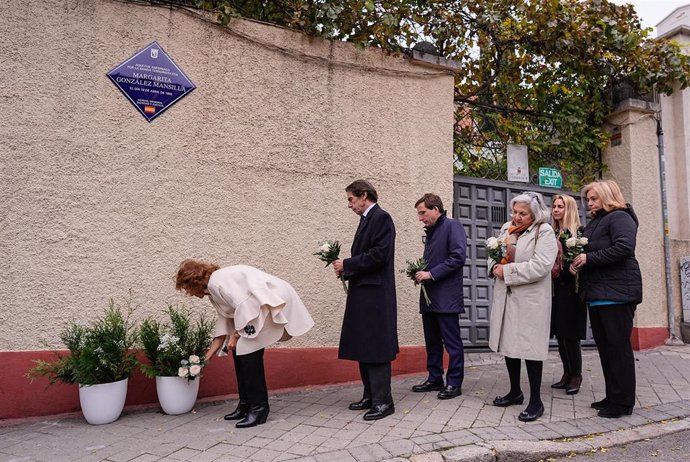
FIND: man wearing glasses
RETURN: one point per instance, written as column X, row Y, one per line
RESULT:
column 445, row 247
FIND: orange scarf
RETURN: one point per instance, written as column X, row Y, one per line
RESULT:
column 510, row 246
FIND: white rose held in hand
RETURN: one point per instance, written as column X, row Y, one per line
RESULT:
column 492, row 243
column 571, row 242
column 584, row 241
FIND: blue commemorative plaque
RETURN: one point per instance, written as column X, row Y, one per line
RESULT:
column 151, row 81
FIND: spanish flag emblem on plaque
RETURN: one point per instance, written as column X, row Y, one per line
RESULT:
column 149, row 109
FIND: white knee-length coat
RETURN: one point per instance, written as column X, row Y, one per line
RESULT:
column 521, row 311
column 263, row 308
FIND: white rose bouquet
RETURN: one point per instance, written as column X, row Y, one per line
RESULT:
column 330, row 252
column 497, row 250
column 574, row 246
column 191, row 368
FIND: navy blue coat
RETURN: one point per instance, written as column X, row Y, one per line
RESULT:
column 444, row 250
column 612, row 271
column 370, row 323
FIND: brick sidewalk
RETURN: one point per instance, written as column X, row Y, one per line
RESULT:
column 315, row 424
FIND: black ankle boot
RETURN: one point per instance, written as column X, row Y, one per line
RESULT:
column 257, row 415
column 239, row 413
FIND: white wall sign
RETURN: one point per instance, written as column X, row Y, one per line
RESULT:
column 518, row 163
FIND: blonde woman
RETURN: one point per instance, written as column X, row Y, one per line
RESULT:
column 611, row 285
column 568, row 313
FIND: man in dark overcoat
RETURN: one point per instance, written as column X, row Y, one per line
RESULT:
column 444, row 251
column 370, row 324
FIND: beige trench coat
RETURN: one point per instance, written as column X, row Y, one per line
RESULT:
column 521, row 310
column 263, row 308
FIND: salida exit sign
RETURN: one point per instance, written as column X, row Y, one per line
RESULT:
column 550, row 177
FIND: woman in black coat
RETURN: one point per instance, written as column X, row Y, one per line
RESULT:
column 568, row 313
column 611, row 285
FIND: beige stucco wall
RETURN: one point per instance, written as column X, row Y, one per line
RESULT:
column 634, row 164
column 249, row 168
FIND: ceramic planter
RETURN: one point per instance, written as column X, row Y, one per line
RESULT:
column 177, row 395
column 103, row 403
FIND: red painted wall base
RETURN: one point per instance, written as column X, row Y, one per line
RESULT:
column 643, row 338
column 285, row 368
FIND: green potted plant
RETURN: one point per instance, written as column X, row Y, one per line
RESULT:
column 100, row 360
column 175, row 351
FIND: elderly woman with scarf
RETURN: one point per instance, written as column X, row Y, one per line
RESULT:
column 521, row 310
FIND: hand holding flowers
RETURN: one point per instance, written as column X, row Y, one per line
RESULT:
column 330, row 252
column 497, row 250
column 413, row 267
column 574, row 246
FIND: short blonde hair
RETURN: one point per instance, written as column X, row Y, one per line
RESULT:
column 609, row 192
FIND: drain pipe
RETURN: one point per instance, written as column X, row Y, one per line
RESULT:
column 672, row 339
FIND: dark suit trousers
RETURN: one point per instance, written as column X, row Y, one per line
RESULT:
column 611, row 328
column 376, row 378
column 444, row 329
column 251, row 379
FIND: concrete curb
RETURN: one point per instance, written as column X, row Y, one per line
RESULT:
column 531, row 451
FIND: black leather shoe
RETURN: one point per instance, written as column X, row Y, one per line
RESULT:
column 256, row 415
column 530, row 417
column 428, row 386
column 505, row 401
column 614, row 412
column 379, row 411
column 449, row 392
column 364, row 403
column 239, row 413
column 573, row 386
column 598, row 405
column 561, row 383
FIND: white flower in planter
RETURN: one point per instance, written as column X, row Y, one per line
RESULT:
column 183, row 372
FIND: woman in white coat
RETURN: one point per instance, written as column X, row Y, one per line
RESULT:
column 521, row 311
column 255, row 309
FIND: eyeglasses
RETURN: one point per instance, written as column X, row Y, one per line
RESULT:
column 533, row 195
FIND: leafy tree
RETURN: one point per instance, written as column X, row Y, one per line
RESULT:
column 536, row 72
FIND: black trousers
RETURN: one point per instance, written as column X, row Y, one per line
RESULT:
column 611, row 328
column 376, row 378
column 251, row 378
column 571, row 355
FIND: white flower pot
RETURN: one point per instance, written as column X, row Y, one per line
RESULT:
column 177, row 395
column 103, row 403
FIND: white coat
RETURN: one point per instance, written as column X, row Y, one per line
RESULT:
column 521, row 311
column 263, row 308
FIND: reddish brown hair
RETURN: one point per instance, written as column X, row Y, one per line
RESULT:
column 193, row 276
